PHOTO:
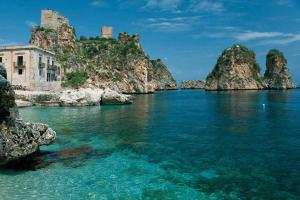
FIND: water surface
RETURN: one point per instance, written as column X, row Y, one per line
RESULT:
column 170, row 145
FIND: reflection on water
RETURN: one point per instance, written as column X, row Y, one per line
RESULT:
column 171, row 145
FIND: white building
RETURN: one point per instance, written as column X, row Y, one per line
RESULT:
column 31, row 67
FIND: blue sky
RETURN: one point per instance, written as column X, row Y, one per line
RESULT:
column 188, row 35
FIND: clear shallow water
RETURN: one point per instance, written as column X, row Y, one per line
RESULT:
column 171, row 145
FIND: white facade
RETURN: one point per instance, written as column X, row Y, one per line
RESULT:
column 31, row 67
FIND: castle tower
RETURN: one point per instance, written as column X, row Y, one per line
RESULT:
column 52, row 19
column 106, row 32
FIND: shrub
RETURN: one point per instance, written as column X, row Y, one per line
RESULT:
column 75, row 79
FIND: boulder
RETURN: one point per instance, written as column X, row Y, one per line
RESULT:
column 18, row 139
column 277, row 75
column 236, row 69
column 112, row 97
column 82, row 96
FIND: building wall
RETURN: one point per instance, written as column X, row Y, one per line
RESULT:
column 33, row 76
column 52, row 19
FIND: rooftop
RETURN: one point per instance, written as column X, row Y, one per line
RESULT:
column 24, row 47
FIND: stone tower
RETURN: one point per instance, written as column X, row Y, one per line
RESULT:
column 106, row 32
column 52, row 19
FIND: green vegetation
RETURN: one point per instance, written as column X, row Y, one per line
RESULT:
column 75, row 79
column 42, row 29
column 275, row 53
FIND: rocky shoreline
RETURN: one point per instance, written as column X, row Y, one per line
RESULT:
column 71, row 97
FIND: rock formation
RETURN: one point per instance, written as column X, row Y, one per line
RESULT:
column 121, row 65
column 192, row 84
column 18, row 138
column 277, row 75
column 236, row 69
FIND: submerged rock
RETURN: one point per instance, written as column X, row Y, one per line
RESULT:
column 18, row 138
column 277, row 75
column 236, row 69
column 112, row 97
column 192, row 84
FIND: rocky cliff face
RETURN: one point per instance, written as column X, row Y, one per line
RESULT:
column 121, row 65
column 236, row 69
column 18, row 138
column 277, row 75
column 162, row 78
column 63, row 38
column 192, row 84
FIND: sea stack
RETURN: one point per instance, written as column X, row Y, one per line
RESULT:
column 18, row 139
column 277, row 75
column 236, row 69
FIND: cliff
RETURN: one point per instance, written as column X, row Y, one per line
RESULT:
column 192, row 84
column 63, row 38
column 236, row 69
column 277, row 75
column 162, row 78
column 18, row 138
column 121, row 65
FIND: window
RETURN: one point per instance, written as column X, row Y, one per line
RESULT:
column 41, row 73
column 20, row 71
column 20, row 60
column 0, row 59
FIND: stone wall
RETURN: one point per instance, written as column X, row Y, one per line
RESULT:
column 52, row 19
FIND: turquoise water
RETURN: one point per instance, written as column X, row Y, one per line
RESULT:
column 170, row 145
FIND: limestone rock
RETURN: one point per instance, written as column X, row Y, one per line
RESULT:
column 82, row 96
column 277, row 75
column 112, row 97
column 192, row 84
column 236, row 69
column 18, row 138
column 23, row 139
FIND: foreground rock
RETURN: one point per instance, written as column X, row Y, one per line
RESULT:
column 18, row 138
column 112, row 97
column 236, row 69
column 192, row 84
column 277, row 75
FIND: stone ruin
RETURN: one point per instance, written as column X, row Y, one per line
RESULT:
column 106, row 32
column 52, row 19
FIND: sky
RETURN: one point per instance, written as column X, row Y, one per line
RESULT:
column 188, row 35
